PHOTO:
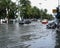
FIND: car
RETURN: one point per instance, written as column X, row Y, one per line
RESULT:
column 51, row 25
column 21, row 22
column 58, row 27
column 44, row 21
column 27, row 21
column 34, row 19
column 12, row 21
column 3, row 21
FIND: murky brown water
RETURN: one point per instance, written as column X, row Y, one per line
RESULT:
column 34, row 35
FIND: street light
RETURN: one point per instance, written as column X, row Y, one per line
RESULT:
column 40, row 8
column 58, row 3
column 40, row 4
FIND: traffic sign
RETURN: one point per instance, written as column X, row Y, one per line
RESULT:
column 54, row 10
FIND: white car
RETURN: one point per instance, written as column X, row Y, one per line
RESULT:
column 3, row 21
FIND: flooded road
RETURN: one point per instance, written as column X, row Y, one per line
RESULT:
column 34, row 35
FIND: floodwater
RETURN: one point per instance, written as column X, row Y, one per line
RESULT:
column 34, row 35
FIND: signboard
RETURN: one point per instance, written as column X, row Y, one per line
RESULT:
column 54, row 10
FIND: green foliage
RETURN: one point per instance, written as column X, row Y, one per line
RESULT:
column 7, row 6
column 26, row 11
column 13, row 11
column 35, row 12
column 25, row 8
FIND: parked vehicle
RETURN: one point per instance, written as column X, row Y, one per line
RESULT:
column 12, row 21
column 21, row 22
column 34, row 19
column 27, row 21
column 3, row 21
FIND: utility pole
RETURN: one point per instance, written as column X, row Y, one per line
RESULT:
column 41, row 13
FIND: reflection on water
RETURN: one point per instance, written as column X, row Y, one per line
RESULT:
column 34, row 35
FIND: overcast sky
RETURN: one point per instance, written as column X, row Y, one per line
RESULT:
column 48, row 4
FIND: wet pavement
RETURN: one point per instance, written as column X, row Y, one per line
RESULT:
column 34, row 35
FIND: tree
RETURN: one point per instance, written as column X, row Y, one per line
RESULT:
column 45, row 10
column 2, row 9
column 25, row 8
column 35, row 12
column 7, row 9
column 13, row 11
